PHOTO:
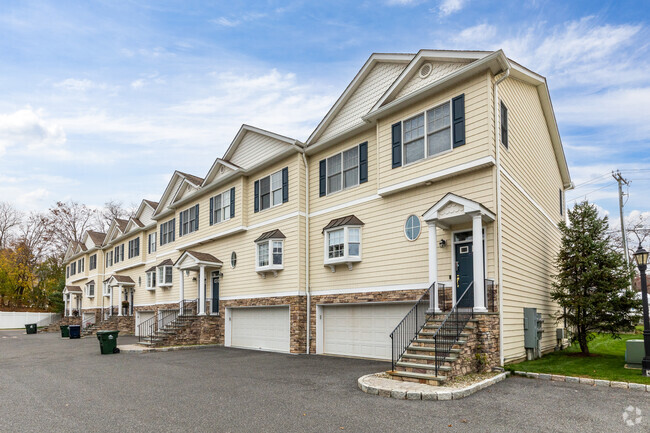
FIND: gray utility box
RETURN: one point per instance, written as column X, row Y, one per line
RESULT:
column 533, row 330
column 634, row 353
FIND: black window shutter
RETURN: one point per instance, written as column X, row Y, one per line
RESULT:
column 363, row 162
column 397, row 144
column 504, row 125
column 196, row 217
column 458, row 106
column 285, row 184
column 173, row 229
column 322, row 178
column 161, row 234
column 211, row 210
column 257, row 196
column 561, row 206
column 232, row 202
column 180, row 224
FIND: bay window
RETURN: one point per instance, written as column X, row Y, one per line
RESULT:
column 269, row 252
column 342, row 242
column 164, row 275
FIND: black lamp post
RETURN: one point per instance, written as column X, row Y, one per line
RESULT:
column 641, row 257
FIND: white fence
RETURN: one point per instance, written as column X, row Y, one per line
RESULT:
column 10, row 319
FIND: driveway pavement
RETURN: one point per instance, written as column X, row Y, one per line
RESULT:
column 56, row 385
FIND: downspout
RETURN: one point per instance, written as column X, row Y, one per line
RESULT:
column 499, row 234
column 307, row 288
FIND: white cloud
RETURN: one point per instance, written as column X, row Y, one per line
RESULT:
column 403, row 2
column 79, row 85
column 448, row 7
column 27, row 129
column 137, row 83
column 471, row 35
column 223, row 21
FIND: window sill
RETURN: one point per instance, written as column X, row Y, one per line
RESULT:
column 342, row 260
column 151, row 289
column 163, row 286
column 428, row 157
column 91, row 297
column 263, row 270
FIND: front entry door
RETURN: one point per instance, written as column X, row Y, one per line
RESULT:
column 215, row 292
column 464, row 274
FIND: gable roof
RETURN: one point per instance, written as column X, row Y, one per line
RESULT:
column 122, row 279
column 349, row 91
column 198, row 257
column 195, row 180
column 216, row 168
column 73, row 289
column 152, row 204
column 171, row 190
column 121, row 224
column 96, row 237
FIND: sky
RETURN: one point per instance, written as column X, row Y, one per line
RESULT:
column 103, row 100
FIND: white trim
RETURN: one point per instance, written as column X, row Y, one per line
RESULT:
column 275, row 220
column 228, row 327
column 453, row 256
column 344, row 205
column 391, row 288
column 133, row 265
column 346, row 258
column 425, row 137
column 265, row 295
column 530, row 199
column 319, row 330
column 485, row 161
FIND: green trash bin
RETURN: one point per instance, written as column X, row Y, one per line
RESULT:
column 65, row 331
column 108, row 342
column 31, row 328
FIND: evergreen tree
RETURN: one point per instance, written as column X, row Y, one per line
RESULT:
column 593, row 281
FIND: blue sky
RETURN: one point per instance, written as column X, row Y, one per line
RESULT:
column 104, row 99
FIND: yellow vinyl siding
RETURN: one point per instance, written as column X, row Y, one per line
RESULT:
column 477, row 136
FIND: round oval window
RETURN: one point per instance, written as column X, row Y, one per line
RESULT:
column 233, row 259
column 412, row 228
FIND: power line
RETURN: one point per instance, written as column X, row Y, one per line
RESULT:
column 590, row 192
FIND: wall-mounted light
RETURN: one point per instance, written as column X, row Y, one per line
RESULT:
column 193, row 278
column 442, row 243
column 187, row 272
column 139, row 281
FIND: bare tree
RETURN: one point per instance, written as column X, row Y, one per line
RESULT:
column 637, row 228
column 34, row 237
column 112, row 209
column 10, row 218
column 66, row 222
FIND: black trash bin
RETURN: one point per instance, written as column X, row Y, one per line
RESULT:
column 31, row 328
column 75, row 331
column 108, row 342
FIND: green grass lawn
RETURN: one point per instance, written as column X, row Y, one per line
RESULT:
column 607, row 361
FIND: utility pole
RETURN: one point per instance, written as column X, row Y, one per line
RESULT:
column 621, row 180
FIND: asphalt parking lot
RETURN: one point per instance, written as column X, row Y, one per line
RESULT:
column 59, row 385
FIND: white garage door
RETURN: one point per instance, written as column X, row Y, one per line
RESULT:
column 361, row 330
column 261, row 328
column 140, row 317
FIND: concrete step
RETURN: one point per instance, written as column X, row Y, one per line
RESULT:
column 427, row 358
column 428, row 349
column 440, row 341
column 419, row 377
column 431, row 333
column 416, row 365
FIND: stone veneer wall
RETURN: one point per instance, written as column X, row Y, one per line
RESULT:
column 481, row 352
column 357, row 298
column 203, row 330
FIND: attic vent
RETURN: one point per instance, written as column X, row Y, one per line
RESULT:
column 221, row 170
column 425, row 70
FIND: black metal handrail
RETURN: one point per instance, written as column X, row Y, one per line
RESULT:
column 147, row 328
column 407, row 330
column 150, row 328
column 490, row 295
column 448, row 333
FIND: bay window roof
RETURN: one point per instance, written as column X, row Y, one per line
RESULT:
column 349, row 220
column 273, row 234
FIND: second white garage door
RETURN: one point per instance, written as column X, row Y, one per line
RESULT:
column 361, row 330
column 261, row 328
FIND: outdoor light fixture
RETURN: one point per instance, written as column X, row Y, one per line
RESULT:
column 187, row 272
column 641, row 257
column 442, row 243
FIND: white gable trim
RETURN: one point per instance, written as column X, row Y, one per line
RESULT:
column 465, row 206
column 248, row 128
column 160, row 210
column 185, row 186
column 143, row 204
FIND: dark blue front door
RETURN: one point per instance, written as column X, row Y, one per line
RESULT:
column 464, row 274
column 215, row 293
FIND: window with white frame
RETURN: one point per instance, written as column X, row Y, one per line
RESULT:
column 151, row 280
column 412, row 228
column 271, row 190
column 90, row 290
column 343, row 170
column 164, row 275
column 221, row 207
column 152, row 242
column 269, row 255
column 435, row 126
column 343, row 245
column 167, row 231
column 109, row 259
column 73, row 268
column 189, row 220
column 81, row 265
column 118, row 254
column 106, row 289
column 134, row 248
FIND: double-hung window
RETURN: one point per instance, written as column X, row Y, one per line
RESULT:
column 189, row 220
column 90, row 290
column 272, row 190
column 167, row 231
column 106, row 289
column 134, row 248
column 151, row 280
column 342, row 242
column 152, row 242
column 164, row 275
column 428, row 133
column 118, row 254
column 343, row 170
column 92, row 262
column 109, row 259
column 67, row 272
column 73, row 268
column 220, row 205
column 81, row 265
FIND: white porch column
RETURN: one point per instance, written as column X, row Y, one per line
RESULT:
column 110, row 309
column 119, row 303
column 479, row 275
column 181, row 290
column 202, row 290
column 70, row 305
column 433, row 267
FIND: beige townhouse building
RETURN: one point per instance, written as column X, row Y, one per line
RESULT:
column 432, row 188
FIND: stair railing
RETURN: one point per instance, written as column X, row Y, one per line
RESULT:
column 407, row 330
column 448, row 333
column 147, row 328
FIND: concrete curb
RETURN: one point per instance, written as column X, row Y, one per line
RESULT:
column 431, row 392
column 585, row 381
column 129, row 349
